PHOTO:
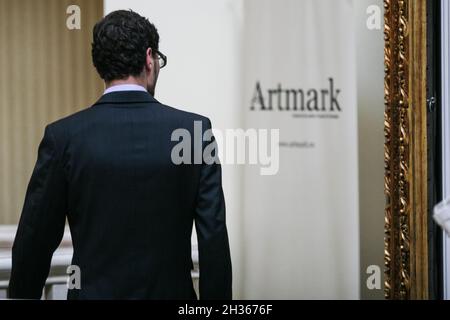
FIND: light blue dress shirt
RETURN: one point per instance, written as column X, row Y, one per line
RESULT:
column 124, row 87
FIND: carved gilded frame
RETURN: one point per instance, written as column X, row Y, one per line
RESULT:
column 405, row 128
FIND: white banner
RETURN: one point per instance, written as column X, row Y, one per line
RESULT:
column 300, row 226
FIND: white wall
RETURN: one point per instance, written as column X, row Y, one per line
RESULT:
column 370, row 75
column 202, row 40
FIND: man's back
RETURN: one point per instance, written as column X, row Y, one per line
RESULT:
column 130, row 208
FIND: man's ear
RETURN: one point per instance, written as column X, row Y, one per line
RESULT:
column 148, row 60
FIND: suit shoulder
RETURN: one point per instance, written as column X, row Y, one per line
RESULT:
column 71, row 117
column 63, row 124
column 185, row 115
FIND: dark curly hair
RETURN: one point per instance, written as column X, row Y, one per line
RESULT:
column 120, row 43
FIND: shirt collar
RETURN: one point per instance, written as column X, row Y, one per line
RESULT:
column 124, row 87
column 127, row 99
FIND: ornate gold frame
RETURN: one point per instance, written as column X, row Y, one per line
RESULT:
column 406, row 240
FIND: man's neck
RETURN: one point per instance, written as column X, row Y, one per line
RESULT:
column 129, row 80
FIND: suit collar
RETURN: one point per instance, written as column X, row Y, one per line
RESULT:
column 126, row 98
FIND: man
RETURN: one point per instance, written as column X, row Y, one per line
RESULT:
column 130, row 208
